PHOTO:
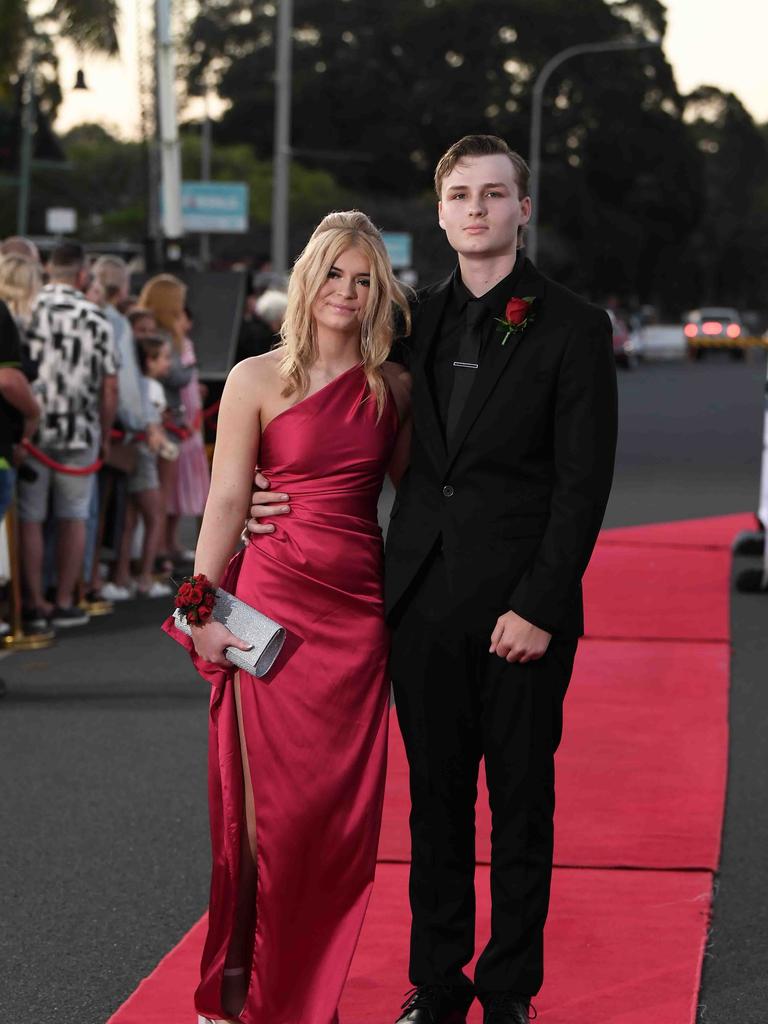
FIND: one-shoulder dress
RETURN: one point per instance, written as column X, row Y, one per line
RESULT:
column 316, row 726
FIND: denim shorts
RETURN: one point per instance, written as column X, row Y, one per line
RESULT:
column 70, row 496
column 144, row 477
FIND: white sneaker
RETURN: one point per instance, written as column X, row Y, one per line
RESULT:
column 155, row 589
column 112, row 592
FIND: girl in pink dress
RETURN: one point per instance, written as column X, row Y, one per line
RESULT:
column 188, row 495
column 297, row 758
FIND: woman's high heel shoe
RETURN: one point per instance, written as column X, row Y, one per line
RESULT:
column 229, row 972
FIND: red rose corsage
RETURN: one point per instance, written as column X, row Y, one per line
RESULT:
column 517, row 315
column 195, row 599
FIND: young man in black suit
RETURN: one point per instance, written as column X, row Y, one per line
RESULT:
column 514, row 433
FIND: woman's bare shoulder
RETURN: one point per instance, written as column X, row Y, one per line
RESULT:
column 258, row 373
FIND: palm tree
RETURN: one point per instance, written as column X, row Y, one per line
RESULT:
column 90, row 24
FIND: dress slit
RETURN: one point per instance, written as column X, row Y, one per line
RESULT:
column 244, row 927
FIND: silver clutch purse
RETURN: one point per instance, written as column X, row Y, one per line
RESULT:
column 248, row 625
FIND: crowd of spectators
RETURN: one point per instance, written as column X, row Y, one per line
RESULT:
column 101, row 441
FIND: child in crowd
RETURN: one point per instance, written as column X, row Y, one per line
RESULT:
column 145, row 496
column 142, row 322
column 190, row 491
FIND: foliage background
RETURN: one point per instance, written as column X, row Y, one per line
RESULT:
column 646, row 194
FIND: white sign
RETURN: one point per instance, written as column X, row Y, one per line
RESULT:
column 60, row 220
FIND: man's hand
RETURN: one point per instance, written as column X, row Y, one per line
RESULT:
column 265, row 503
column 515, row 639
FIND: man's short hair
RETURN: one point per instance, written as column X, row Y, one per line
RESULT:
column 271, row 306
column 481, row 145
column 67, row 256
column 113, row 274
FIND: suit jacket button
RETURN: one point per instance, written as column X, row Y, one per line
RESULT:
column 448, row 491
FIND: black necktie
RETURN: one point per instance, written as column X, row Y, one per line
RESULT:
column 465, row 366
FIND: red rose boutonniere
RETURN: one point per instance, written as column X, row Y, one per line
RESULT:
column 517, row 316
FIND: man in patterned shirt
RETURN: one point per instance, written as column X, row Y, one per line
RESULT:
column 70, row 341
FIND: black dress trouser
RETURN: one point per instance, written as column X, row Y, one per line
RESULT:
column 455, row 704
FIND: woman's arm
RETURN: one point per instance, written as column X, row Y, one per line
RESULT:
column 235, row 455
column 178, row 375
column 15, row 389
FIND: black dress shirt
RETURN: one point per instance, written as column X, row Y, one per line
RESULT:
column 454, row 324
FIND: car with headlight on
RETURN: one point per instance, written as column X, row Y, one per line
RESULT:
column 718, row 328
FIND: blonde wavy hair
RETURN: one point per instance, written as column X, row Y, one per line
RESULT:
column 20, row 281
column 335, row 234
column 164, row 296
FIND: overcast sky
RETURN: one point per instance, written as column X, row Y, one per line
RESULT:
column 707, row 43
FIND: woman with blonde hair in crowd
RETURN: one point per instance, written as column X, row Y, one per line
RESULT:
column 184, row 482
column 297, row 759
column 20, row 282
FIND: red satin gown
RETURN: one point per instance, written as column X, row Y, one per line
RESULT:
column 316, row 726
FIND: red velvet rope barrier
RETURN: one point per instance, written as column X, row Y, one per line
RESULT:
column 181, row 432
column 58, row 466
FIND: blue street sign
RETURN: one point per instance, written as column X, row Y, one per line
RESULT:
column 400, row 248
column 214, row 206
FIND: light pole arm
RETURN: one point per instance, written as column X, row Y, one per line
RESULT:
column 534, row 150
column 28, row 118
column 281, row 160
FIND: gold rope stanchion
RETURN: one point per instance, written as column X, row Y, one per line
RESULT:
column 100, row 606
column 17, row 639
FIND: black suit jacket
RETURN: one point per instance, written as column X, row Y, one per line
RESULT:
column 519, row 495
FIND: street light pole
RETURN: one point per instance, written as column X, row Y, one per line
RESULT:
column 170, row 151
column 25, row 152
column 534, row 150
column 281, row 161
column 205, row 175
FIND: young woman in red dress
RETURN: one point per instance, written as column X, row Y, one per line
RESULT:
column 297, row 758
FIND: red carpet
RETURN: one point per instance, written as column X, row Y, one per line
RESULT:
column 652, row 802
column 641, row 783
column 657, row 593
column 717, row 532
column 623, row 947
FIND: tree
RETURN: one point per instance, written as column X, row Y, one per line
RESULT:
column 106, row 183
column 730, row 245
column 27, row 39
column 387, row 87
column 90, row 24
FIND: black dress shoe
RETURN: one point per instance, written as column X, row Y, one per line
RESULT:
column 506, row 1008
column 436, row 1004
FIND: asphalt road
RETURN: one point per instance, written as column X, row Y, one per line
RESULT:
column 104, row 859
